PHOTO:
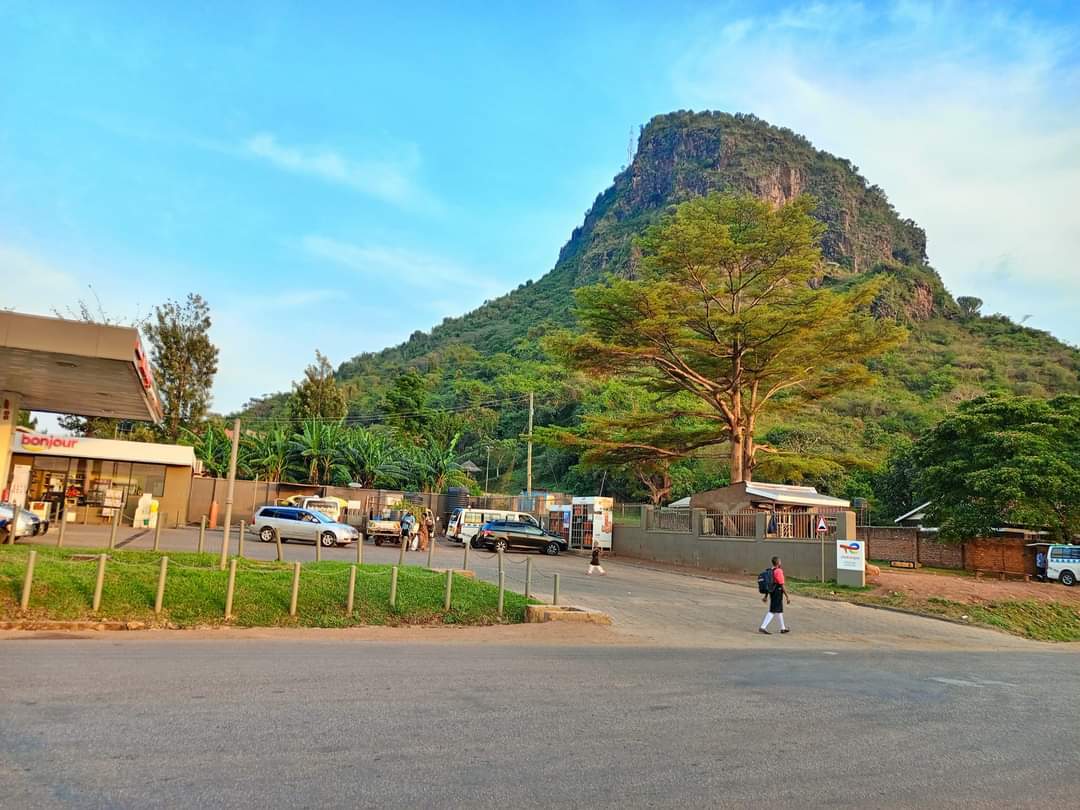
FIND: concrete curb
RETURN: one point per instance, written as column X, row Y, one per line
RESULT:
column 565, row 613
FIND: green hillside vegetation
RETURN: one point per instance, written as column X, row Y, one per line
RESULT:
column 478, row 367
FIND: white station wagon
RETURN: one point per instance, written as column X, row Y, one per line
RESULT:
column 293, row 523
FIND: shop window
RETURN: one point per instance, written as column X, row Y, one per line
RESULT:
column 148, row 478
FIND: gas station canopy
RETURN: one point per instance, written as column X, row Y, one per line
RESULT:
column 87, row 369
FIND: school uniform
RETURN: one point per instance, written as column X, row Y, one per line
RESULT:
column 776, row 602
column 594, row 562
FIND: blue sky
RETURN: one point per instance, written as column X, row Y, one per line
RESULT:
column 336, row 176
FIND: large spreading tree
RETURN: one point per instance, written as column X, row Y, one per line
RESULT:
column 726, row 309
column 1004, row 460
column 318, row 395
column 184, row 361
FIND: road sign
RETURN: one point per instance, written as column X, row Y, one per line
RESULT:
column 822, row 526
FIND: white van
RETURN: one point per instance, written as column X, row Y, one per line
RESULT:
column 465, row 524
column 1063, row 564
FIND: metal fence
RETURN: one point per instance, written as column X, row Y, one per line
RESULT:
column 672, row 520
column 729, row 524
column 628, row 514
column 799, row 526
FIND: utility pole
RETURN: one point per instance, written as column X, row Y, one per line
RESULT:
column 528, row 457
column 229, row 494
column 487, row 468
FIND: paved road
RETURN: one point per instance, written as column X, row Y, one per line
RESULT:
column 134, row 721
column 658, row 606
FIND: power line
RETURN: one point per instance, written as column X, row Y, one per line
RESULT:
column 381, row 417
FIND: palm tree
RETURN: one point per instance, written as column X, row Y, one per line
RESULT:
column 436, row 466
column 212, row 447
column 315, row 452
column 371, row 458
column 266, row 455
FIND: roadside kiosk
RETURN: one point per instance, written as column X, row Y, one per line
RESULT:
column 590, row 522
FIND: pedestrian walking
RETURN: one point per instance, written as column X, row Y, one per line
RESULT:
column 429, row 526
column 414, row 532
column 594, row 562
column 406, row 521
column 776, row 595
column 1040, row 566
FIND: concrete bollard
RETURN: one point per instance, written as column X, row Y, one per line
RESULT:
column 393, row 587
column 159, row 597
column 224, row 546
column 240, row 551
column 431, row 552
column 202, row 534
column 295, row 588
column 114, row 528
column 60, row 531
column 352, row 590
column 501, row 569
column 449, row 588
column 28, row 580
column 502, row 588
column 528, row 576
column 465, row 564
column 99, row 583
column 230, row 589
column 277, row 542
column 360, row 550
column 555, row 590
column 401, row 554
column 157, row 531
column 318, row 548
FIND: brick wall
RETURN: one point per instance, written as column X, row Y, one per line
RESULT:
column 936, row 553
column 999, row 554
column 908, row 544
column 889, row 542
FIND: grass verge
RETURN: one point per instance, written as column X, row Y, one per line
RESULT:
column 195, row 592
column 1037, row 620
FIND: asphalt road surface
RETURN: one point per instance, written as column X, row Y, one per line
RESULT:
column 136, row 722
column 680, row 704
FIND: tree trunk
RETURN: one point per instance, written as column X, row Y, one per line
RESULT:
column 738, row 458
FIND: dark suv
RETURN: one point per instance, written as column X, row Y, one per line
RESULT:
column 504, row 534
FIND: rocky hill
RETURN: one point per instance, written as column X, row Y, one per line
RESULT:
column 951, row 354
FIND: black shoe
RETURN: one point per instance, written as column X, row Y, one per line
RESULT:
column 763, row 630
column 786, row 630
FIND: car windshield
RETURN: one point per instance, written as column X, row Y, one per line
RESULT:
column 318, row 517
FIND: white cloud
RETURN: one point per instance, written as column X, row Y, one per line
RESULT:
column 389, row 179
column 385, row 263
column 969, row 121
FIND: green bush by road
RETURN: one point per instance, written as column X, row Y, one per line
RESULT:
column 195, row 592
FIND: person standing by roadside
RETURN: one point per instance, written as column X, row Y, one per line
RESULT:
column 406, row 523
column 594, row 562
column 775, row 597
column 1040, row 566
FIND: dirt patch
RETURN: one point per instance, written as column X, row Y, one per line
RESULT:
column 967, row 589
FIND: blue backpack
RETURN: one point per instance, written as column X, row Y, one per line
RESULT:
column 765, row 581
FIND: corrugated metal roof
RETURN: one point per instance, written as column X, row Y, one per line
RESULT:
column 916, row 513
column 789, row 493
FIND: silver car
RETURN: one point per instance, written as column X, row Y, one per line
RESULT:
column 293, row 523
column 28, row 524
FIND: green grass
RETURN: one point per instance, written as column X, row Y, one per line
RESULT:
column 195, row 592
column 1037, row 620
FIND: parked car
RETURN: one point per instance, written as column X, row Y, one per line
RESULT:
column 293, row 523
column 500, row 535
column 465, row 524
column 1063, row 564
column 27, row 525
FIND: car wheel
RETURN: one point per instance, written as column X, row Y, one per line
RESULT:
column 327, row 539
column 500, row 545
column 473, row 543
column 1067, row 578
column 266, row 534
column 552, row 549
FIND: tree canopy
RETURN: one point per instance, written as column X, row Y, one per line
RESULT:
column 318, row 396
column 726, row 309
column 1004, row 460
column 184, row 361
